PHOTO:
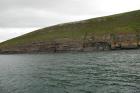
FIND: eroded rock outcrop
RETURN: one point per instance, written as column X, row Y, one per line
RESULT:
column 89, row 43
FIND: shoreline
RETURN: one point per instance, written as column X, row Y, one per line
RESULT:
column 57, row 52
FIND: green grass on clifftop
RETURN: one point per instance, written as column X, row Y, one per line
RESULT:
column 124, row 22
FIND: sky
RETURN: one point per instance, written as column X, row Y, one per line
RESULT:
column 18, row 17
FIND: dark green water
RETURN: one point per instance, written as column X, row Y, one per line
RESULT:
column 100, row 72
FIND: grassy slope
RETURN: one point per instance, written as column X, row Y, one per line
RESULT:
column 125, row 22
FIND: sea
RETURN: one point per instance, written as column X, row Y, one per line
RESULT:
column 83, row 72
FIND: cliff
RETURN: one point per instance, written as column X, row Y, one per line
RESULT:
column 87, row 35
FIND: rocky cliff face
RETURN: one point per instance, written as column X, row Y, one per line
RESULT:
column 89, row 43
column 56, row 47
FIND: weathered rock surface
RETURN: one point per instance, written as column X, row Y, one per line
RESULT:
column 97, row 43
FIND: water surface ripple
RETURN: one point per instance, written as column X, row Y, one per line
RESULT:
column 99, row 72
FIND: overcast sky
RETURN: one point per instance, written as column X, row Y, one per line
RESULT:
column 21, row 16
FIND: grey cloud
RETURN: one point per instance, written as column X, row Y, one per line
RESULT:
column 64, row 6
column 31, row 17
column 41, row 13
